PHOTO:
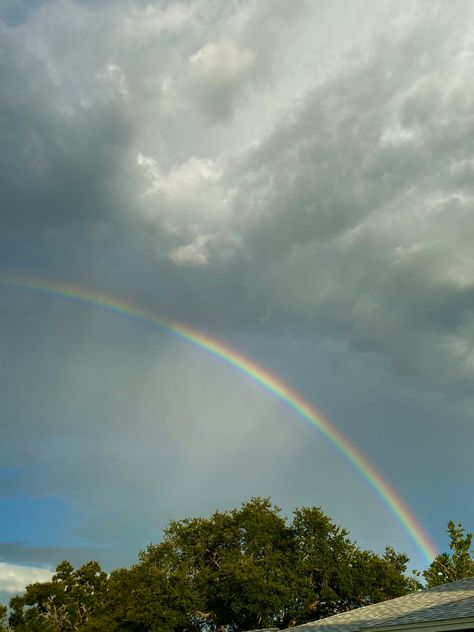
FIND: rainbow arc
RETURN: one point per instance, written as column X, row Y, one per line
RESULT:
column 270, row 383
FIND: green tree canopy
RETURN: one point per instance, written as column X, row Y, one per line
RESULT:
column 64, row 604
column 449, row 567
column 241, row 565
column 4, row 627
column 250, row 568
column 242, row 569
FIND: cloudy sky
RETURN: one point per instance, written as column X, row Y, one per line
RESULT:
column 292, row 177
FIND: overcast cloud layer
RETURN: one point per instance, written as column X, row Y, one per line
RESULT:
column 295, row 178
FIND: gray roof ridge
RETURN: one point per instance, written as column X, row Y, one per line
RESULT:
column 384, row 611
column 437, row 609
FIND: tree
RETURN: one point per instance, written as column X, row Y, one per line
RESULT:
column 338, row 574
column 62, row 605
column 251, row 569
column 4, row 626
column 240, row 564
column 449, row 567
column 243, row 569
column 147, row 597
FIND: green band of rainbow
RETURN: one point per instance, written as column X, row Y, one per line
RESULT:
column 261, row 376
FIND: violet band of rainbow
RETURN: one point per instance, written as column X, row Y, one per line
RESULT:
column 270, row 383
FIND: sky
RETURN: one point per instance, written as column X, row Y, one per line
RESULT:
column 291, row 178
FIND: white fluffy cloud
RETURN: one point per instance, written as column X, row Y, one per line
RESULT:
column 212, row 80
column 190, row 206
column 14, row 578
column 194, row 253
column 191, row 191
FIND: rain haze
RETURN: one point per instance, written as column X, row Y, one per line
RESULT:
column 294, row 179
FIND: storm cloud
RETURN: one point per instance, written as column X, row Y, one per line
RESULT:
column 295, row 178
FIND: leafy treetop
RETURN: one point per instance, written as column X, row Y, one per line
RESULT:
column 449, row 567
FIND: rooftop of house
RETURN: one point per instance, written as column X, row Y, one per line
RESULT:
column 449, row 601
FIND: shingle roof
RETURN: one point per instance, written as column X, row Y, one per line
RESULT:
column 460, row 609
column 449, row 601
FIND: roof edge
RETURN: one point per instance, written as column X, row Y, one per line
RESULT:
column 463, row 623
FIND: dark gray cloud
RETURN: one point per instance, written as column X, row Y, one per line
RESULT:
column 56, row 169
column 358, row 221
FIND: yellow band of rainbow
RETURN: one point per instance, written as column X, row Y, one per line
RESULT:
column 261, row 376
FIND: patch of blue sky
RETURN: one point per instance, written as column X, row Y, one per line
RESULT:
column 45, row 521
column 15, row 12
column 8, row 480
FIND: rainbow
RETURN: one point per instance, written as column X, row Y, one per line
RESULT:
column 272, row 384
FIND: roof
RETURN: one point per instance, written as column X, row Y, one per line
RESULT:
column 449, row 601
column 460, row 609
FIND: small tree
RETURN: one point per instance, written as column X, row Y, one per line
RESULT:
column 4, row 626
column 449, row 567
column 62, row 605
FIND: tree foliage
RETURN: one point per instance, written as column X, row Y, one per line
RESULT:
column 449, row 567
column 243, row 569
column 4, row 626
column 64, row 604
